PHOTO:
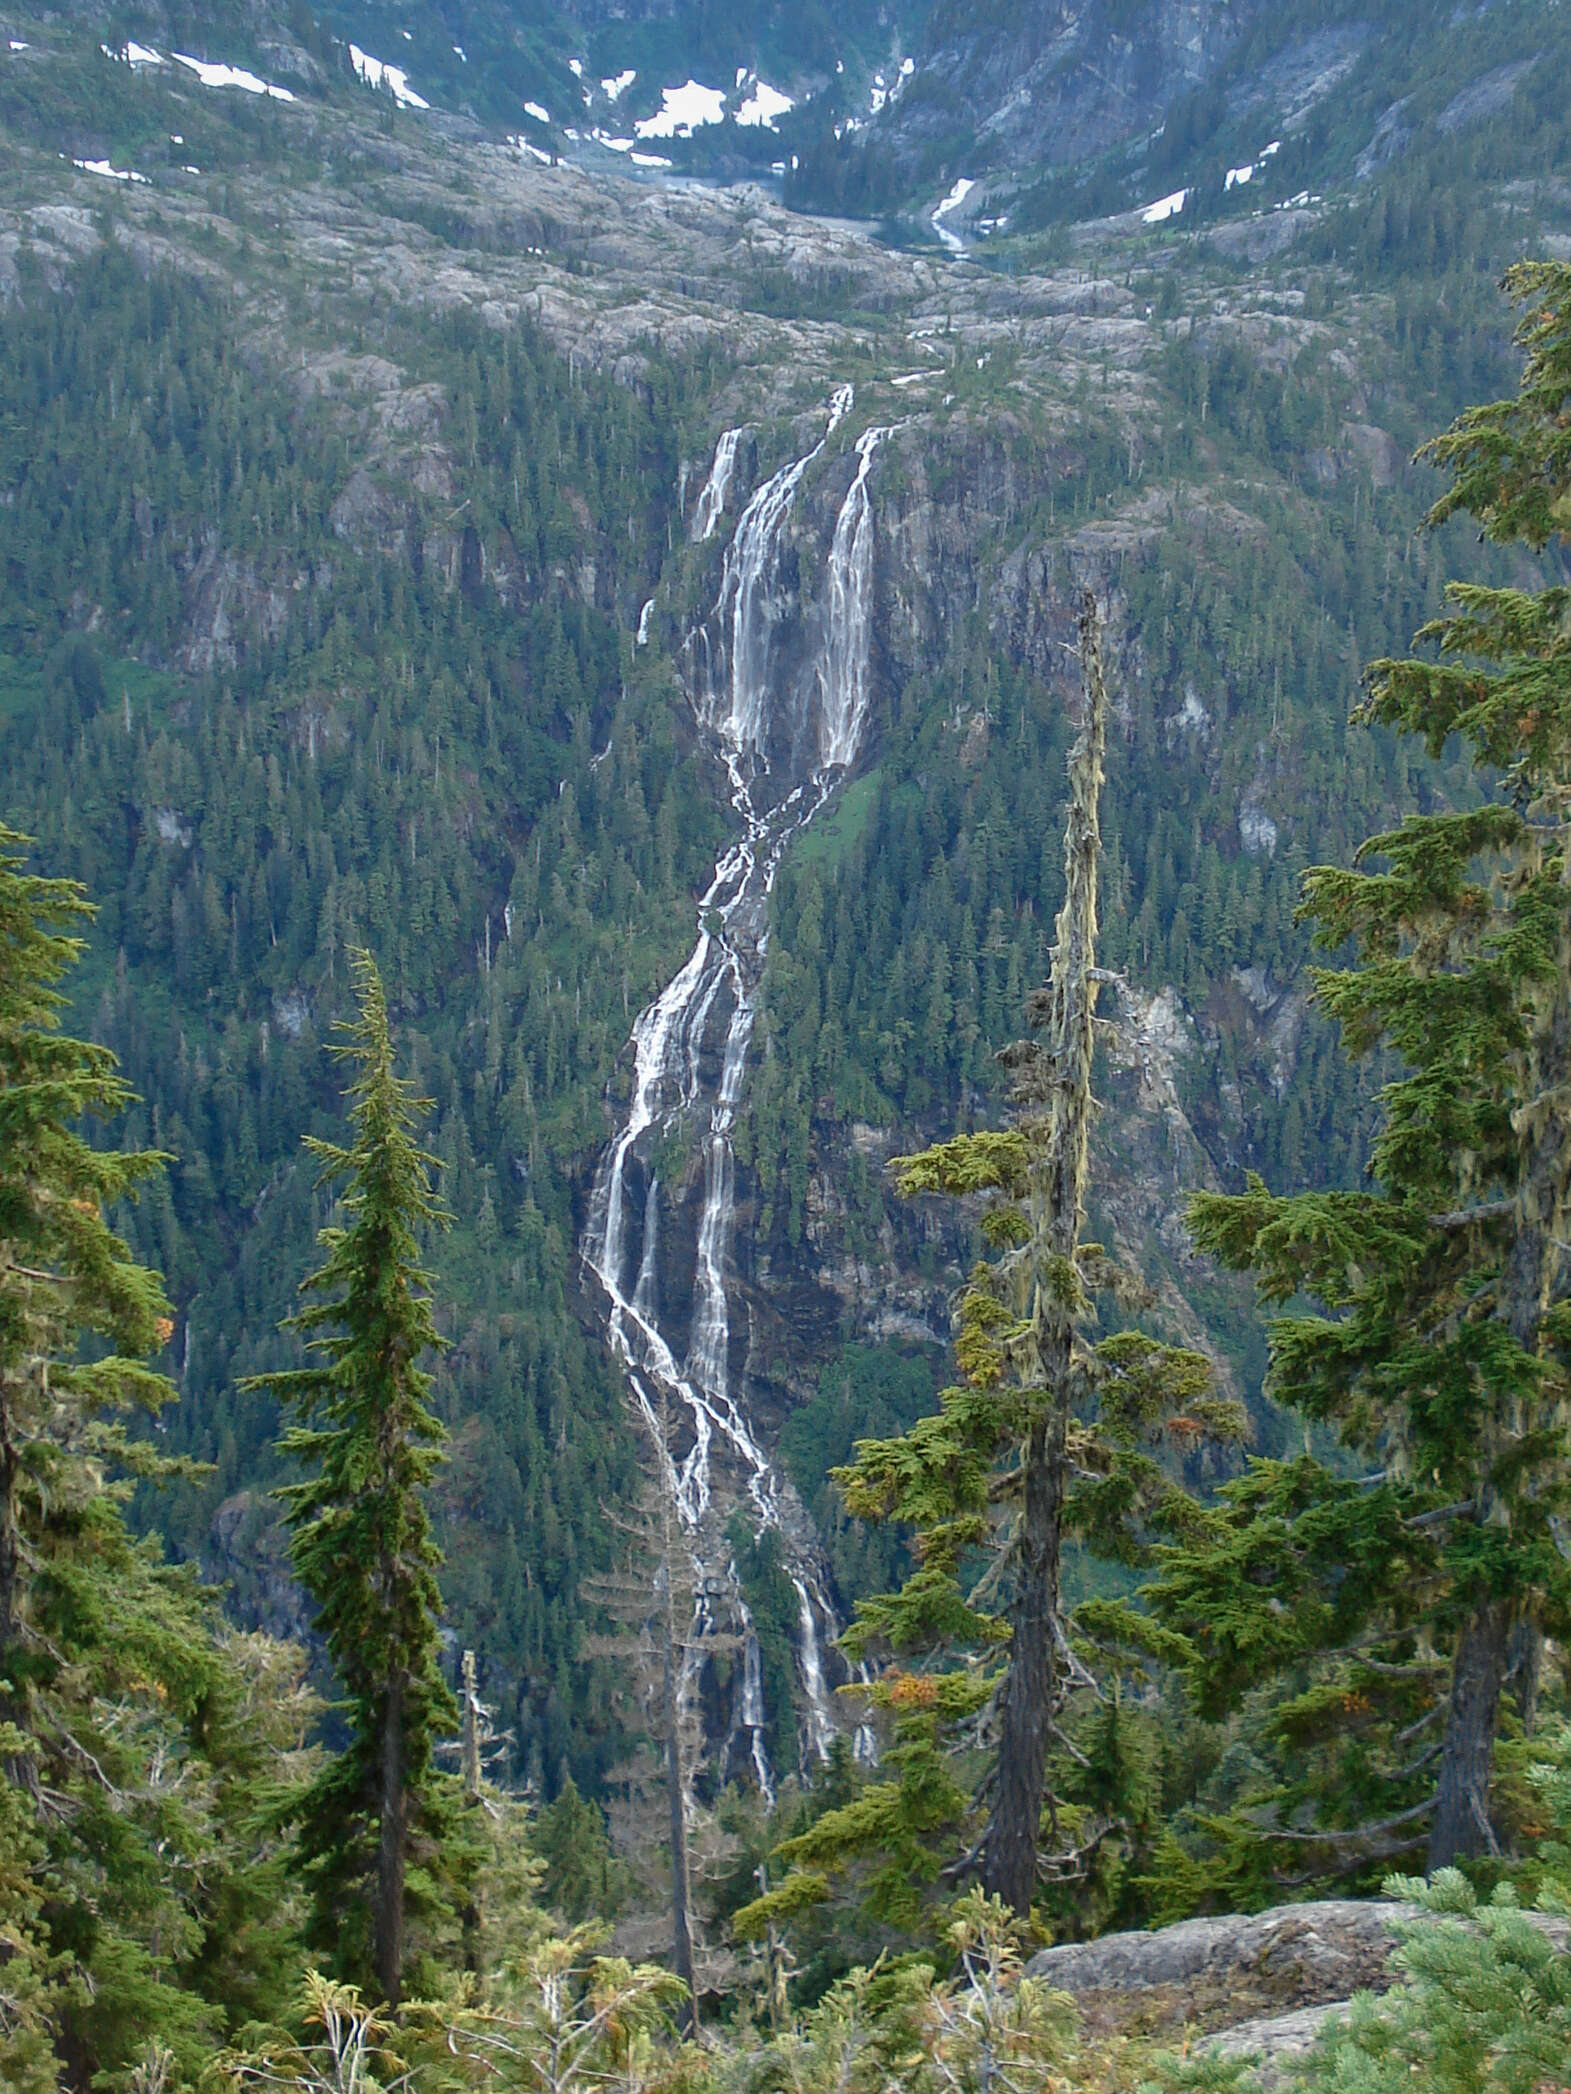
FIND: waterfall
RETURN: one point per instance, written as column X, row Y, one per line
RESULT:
column 712, row 496
column 821, row 1725
column 690, row 1053
column 739, row 710
column 843, row 668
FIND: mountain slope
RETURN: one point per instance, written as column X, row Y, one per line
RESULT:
column 340, row 477
column 1051, row 115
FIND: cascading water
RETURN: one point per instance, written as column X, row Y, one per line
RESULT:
column 691, row 1049
column 712, row 496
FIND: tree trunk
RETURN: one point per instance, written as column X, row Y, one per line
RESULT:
column 1502, row 1626
column 389, row 1918
column 469, row 1735
column 22, row 1768
column 1026, row 1706
column 10, row 1533
column 1461, row 1827
column 1055, row 1087
column 681, row 1923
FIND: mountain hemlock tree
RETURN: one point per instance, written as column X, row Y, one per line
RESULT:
column 378, row 1828
column 1060, row 1435
column 63, row 1270
column 142, row 1910
column 1445, row 1346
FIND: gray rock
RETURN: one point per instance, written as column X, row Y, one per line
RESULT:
column 1484, row 97
column 1331, row 1947
column 1277, row 2040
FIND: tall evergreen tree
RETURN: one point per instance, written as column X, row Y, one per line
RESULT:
column 64, row 1273
column 378, row 1828
column 140, row 1903
column 1058, row 1434
column 1443, row 1352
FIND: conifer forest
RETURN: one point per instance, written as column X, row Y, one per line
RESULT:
column 785, row 1047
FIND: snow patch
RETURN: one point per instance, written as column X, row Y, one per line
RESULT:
column 103, row 167
column 650, row 160
column 1164, row 208
column 522, row 145
column 541, row 116
column 614, row 89
column 951, row 202
column 764, row 106
column 682, row 110
column 376, row 72
column 212, row 75
column 1238, row 176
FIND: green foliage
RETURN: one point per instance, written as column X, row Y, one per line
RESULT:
column 378, row 1827
column 896, row 1832
column 771, row 1600
column 866, row 1391
column 569, row 1836
column 1045, row 1438
column 1484, row 2000
column 1441, row 1352
column 557, row 2018
column 142, row 1895
column 388, row 769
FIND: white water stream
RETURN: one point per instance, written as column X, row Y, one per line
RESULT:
column 691, row 1051
column 712, row 497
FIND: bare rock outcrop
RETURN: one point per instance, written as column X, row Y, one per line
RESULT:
column 1258, row 1985
column 1329, row 1947
column 1231, row 1975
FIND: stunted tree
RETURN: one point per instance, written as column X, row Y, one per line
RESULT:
column 1047, row 1438
column 1442, row 1350
column 379, row 1830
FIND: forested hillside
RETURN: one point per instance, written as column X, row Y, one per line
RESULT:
column 322, row 629
column 427, row 531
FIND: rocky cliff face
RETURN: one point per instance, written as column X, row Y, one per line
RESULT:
column 1044, row 84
